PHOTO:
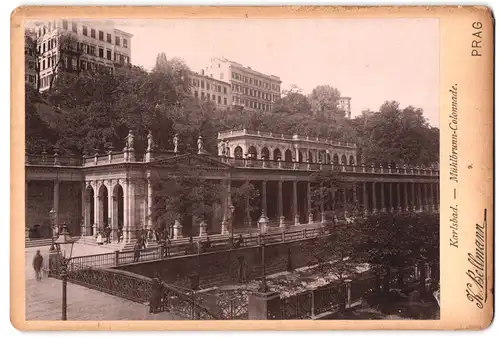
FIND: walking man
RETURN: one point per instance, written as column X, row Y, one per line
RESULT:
column 37, row 265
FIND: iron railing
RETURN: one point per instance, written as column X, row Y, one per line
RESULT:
column 117, row 258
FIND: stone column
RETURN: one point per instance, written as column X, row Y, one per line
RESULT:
column 132, row 219
column 126, row 215
column 344, row 198
column 382, row 197
column 149, row 208
column 413, row 197
column 248, row 220
column 374, row 197
column 264, row 198
column 309, row 202
column 83, row 229
column 111, row 215
column 391, row 201
column 365, row 198
column 297, row 154
column 355, row 196
column 280, row 204
column 438, row 192
column 419, row 191
column 55, row 204
column 97, row 209
column 426, row 197
column 433, row 202
column 405, row 191
column 322, row 207
column 295, row 209
column 398, row 197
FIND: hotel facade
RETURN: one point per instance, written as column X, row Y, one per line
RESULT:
column 79, row 46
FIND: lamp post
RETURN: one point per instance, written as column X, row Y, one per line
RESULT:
column 64, row 245
column 263, row 285
column 52, row 216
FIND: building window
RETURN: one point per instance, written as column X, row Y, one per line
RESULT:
column 92, row 50
column 83, row 65
column 225, row 90
column 225, row 101
column 73, row 27
column 219, row 101
column 202, row 95
column 43, row 64
column 219, row 89
column 213, row 97
column 117, row 40
column 84, row 30
column 108, row 54
column 65, row 24
column 92, row 33
column 196, row 93
column 74, row 64
column 101, row 52
column 202, row 84
column 108, row 37
column 125, row 43
column 101, row 36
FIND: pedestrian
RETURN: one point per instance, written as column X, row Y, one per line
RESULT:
column 139, row 245
column 38, row 264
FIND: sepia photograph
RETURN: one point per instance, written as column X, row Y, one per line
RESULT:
column 232, row 169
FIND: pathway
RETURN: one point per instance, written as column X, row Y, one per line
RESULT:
column 43, row 302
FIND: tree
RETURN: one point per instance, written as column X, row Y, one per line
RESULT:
column 184, row 195
column 396, row 136
column 292, row 102
column 324, row 101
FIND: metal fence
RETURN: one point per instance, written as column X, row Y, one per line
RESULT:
column 117, row 258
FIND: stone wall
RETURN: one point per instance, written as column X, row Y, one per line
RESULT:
column 229, row 266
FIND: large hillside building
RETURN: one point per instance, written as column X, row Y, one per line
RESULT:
column 79, row 46
column 250, row 89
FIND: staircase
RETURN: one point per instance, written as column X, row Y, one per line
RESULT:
column 32, row 243
column 90, row 240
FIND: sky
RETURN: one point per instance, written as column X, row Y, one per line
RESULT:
column 369, row 60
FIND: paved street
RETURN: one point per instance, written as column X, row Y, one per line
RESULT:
column 43, row 302
column 78, row 250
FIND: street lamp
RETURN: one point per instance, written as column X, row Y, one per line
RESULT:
column 64, row 245
column 52, row 215
column 263, row 285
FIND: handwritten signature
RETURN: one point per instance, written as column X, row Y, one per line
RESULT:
column 476, row 287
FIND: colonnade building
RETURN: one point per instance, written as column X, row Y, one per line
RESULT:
column 117, row 188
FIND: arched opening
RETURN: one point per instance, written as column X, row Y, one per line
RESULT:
column 103, row 208
column 117, row 222
column 89, row 211
column 351, row 160
column 335, row 159
column 238, row 152
column 344, row 159
column 252, row 152
column 301, row 158
column 328, row 158
column 288, row 156
column 277, row 154
column 310, row 157
column 264, row 153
